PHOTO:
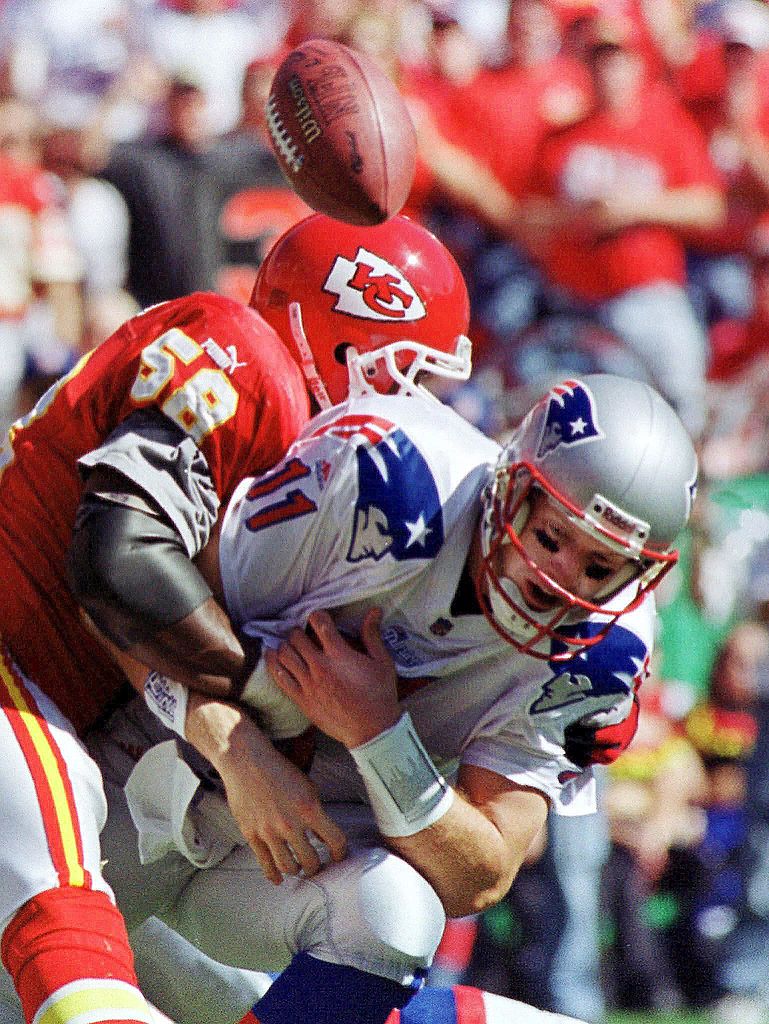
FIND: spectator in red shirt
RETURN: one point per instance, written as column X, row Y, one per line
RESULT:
column 729, row 97
column 738, row 372
column 498, row 112
column 611, row 198
column 534, row 89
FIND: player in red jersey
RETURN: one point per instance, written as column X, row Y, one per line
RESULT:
column 207, row 373
column 213, row 380
column 163, row 419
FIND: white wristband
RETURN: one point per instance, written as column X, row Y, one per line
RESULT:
column 167, row 700
column 406, row 790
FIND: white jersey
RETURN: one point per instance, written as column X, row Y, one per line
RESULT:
column 376, row 505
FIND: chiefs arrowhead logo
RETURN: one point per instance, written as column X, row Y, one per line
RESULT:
column 371, row 288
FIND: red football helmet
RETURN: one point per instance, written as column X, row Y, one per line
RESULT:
column 365, row 308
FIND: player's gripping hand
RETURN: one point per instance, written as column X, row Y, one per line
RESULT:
column 275, row 805
column 348, row 690
column 598, row 739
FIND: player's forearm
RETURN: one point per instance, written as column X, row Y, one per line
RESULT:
column 200, row 651
column 216, row 728
column 275, row 805
column 470, row 841
column 130, row 570
column 465, row 857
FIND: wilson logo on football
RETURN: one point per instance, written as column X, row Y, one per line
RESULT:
column 371, row 288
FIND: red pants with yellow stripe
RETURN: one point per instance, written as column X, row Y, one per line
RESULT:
column 61, row 938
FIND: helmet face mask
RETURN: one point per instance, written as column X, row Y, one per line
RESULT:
column 530, row 630
column 606, row 475
column 399, row 365
column 365, row 309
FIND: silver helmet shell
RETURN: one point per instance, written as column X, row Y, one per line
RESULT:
column 615, row 457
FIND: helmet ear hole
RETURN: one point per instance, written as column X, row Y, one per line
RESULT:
column 389, row 281
column 340, row 352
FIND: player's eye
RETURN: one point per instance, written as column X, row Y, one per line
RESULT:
column 595, row 571
column 548, row 543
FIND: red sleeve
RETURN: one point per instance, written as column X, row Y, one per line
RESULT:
column 689, row 161
column 213, row 367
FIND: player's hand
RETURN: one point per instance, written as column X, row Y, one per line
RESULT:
column 348, row 690
column 592, row 740
column 278, row 809
column 276, row 806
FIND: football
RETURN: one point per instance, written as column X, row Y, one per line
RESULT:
column 341, row 132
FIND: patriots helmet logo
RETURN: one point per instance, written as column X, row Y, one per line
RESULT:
column 570, row 418
column 398, row 510
column 372, row 288
column 600, row 675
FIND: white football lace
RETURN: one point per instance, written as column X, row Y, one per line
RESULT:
column 281, row 138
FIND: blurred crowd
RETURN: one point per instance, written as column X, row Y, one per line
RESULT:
column 600, row 170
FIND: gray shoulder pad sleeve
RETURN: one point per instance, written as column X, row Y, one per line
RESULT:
column 166, row 463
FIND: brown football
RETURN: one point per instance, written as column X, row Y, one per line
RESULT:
column 341, row 132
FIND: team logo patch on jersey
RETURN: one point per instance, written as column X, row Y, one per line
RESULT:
column 398, row 510
column 570, row 418
column 399, row 643
column 560, row 691
column 603, row 674
column 371, row 288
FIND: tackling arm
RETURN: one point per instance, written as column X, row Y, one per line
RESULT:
column 472, row 854
column 131, row 564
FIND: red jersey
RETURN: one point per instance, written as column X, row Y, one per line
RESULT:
column 711, row 99
column 660, row 149
column 209, row 364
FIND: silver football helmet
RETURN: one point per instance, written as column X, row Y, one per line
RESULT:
column 613, row 456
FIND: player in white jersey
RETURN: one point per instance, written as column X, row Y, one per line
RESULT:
column 365, row 290
column 501, row 597
column 370, row 921
column 377, row 507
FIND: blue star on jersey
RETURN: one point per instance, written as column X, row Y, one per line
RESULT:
column 570, row 418
column 602, row 673
column 398, row 510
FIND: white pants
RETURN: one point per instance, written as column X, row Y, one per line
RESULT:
column 52, row 798
column 372, row 911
